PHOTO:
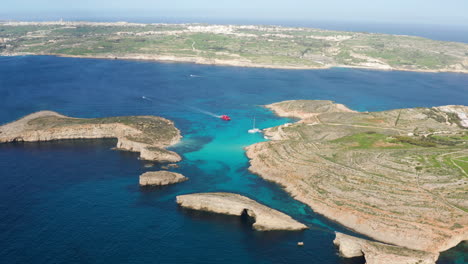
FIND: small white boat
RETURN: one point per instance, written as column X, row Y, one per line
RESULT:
column 254, row 129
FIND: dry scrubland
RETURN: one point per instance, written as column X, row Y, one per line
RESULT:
column 398, row 176
column 252, row 46
column 149, row 135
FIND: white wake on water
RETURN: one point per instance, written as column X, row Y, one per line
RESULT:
column 203, row 111
column 196, row 109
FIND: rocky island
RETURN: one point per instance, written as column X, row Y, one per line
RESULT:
column 397, row 176
column 234, row 45
column 148, row 135
column 159, row 178
column 234, row 204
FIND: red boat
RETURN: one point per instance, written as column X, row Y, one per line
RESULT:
column 225, row 118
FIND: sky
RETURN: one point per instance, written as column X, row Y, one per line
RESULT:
column 436, row 12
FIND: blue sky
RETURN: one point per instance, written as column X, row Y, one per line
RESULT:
column 444, row 12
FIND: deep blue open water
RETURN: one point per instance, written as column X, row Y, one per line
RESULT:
column 78, row 201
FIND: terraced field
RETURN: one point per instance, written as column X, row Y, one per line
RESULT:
column 397, row 176
column 253, row 46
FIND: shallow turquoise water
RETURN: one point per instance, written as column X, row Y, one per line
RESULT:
column 79, row 201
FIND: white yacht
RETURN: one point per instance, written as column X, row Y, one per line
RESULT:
column 254, row 129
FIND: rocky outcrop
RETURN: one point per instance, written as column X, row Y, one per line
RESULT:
column 379, row 253
column 460, row 111
column 235, row 204
column 148, row 135
column 161, row 178
column 302, row 109
column 381, row 174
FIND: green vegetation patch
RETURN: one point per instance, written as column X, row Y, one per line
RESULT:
column 154, row 128
column 263, row 45
column 463, row 164
column 369, row 139
column 431, row 140
column 417, row 141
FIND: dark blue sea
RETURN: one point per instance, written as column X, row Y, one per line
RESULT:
column 78, row 201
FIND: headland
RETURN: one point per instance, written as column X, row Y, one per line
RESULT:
column 396, row 176
column 148, row 135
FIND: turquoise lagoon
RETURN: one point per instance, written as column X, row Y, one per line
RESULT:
column 79, row 201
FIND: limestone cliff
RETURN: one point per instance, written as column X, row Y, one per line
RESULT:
column 398, row 176
column 235, row 204
column 148, row 135
column 379, row 253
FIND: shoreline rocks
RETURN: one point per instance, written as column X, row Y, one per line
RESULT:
column 229, row 63
column 302, row 109
column 379, row 253
column 160, row 178
column 266, row 218
column 273, row 37
column 351, row 167
column 148, row 135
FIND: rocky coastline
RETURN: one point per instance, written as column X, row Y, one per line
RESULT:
column 148, row 135
column 379, row 253
column 266, row 219
column 358, row 169
column 324, row 49
column 229, row 63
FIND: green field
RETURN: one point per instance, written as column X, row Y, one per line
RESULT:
column 263, row 46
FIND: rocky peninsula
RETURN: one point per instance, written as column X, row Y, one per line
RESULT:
column 266, row 219
column 379, row 253
column 158, row 178
column 233, row 45
column 398, row 176
column 148, row 135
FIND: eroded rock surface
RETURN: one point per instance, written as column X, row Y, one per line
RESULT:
column 398, row 176
column 379, row 253
column 303, row 109
column 149, row 135
column 459, row 110
column 235, row 204
column 161, row 178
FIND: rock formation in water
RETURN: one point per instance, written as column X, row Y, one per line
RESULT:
column 149, row 135
column 303, row 109
column 235, row 204
column 379, row 253
column 398, row 176
column 161, row 178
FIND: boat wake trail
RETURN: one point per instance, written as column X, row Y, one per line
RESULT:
column 203, row 111
column 192, row 108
